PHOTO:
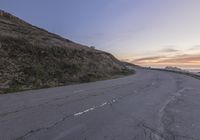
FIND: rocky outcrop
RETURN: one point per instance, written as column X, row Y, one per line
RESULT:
column 31, row 58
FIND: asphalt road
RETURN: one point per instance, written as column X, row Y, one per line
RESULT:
column 151, row 105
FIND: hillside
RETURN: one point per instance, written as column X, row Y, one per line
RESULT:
column 32, row 58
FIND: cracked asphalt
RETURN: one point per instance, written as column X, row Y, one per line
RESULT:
column 150, row 105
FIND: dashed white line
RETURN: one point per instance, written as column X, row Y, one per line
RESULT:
column 85, row 111
column 95, row 107
column 103, row 104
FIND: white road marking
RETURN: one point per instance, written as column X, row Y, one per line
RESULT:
column 95, row 107
column 103, row 104
column 85, row 111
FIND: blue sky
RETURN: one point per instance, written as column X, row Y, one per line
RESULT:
column 147, row 32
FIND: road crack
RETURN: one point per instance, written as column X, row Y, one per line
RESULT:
column 166, row 134
column 157, row 134
column 66, row 117
column 43, row 128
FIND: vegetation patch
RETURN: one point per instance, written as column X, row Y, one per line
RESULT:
column 32, row 58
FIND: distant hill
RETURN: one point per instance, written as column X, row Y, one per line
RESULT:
column 32, row 58
column 173, row 68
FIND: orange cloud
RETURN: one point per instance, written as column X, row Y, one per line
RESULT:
column 148, row 59
column 185, row 60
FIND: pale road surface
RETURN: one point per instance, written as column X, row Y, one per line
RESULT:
column 150, row 105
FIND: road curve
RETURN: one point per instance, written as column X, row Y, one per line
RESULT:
column 150, row 105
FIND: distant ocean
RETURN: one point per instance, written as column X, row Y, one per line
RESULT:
column 193, row 70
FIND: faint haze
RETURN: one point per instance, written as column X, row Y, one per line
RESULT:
column 146, row 32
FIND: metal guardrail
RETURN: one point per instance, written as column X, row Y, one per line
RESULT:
column 179, row 72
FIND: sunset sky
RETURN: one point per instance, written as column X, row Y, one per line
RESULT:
column 147, row 32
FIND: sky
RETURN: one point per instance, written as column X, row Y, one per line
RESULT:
column 155, row 33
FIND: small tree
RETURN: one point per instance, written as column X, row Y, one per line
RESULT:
column 92, row 47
